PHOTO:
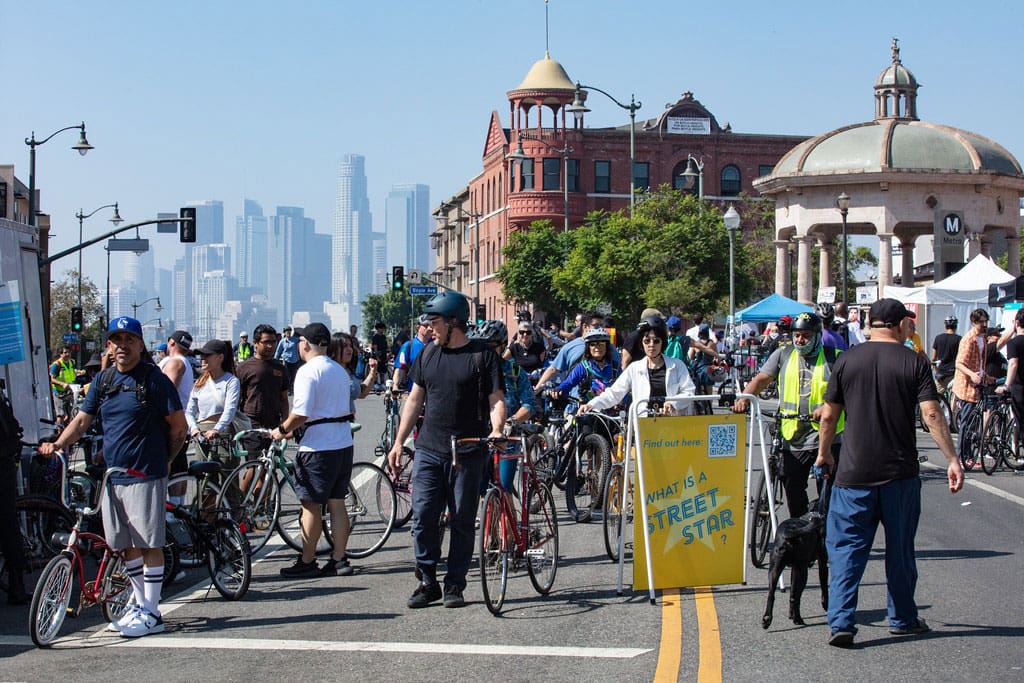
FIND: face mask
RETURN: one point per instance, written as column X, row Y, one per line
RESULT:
column 810, row 347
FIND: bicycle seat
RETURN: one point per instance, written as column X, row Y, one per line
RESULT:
column 203, row 467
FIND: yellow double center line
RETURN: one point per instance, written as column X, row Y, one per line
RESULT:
column 709, row 667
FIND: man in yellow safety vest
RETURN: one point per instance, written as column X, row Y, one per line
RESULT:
column 802, row 371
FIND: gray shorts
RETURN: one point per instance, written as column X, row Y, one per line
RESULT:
column 134, row 514
column 323, row 475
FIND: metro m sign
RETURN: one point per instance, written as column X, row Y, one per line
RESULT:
column 949, row 232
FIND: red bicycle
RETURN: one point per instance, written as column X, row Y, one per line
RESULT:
column 110, row 589
column 507, row 542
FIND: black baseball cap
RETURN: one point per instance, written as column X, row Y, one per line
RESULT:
column 889, row 313
column 215, row 346
column 315, row 333
column 182, row 339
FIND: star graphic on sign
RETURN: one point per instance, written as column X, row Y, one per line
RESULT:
column 673, row 534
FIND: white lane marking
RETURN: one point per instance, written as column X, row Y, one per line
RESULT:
column 988, row 488
column 174, row 642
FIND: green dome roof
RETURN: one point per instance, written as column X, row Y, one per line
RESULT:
column 895, row 145
column 896, row 75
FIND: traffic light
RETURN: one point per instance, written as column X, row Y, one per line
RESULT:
column 76, row 319
column 187, row 229
column 481, row 313
column 398, row 278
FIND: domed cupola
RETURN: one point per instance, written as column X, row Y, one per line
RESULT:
column 546, row 85
column 896, row 90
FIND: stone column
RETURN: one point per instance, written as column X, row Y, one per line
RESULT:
column 884, row 262
column 986, row 245
column 1013, row 255
column 907, row 247
column 804, row 293
column 782, row 284
column 825, row 245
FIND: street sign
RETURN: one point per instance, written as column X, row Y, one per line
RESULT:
column 69, row 338
column 414, row 276
column 423, row 290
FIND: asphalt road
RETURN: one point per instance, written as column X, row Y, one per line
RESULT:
column 354, row 628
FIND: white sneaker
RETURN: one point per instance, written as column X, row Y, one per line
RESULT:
column 143, row 624
column 118, row 624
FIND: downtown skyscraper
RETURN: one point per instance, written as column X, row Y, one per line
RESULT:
column 407, row 221
column 352, row 275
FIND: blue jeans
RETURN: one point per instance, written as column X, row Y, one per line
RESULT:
column 968, row 423
column 435, row 486
column 853, row 517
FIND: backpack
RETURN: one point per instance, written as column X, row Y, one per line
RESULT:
column 107, row 389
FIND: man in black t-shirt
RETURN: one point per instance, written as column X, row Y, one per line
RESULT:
column 264, row 385
column 379, row 347
column 1014, row 372
column 944, row 350
column 459, row 386
column 878, row 384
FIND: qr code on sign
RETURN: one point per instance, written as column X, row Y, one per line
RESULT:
column 722, row 440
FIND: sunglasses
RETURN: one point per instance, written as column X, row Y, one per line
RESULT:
column 652, row 341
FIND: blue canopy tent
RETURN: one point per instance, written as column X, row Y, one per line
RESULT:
column 770, row 309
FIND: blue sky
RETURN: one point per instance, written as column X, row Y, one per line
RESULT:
column 221, row 100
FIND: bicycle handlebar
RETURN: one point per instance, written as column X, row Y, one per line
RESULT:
column 89, row 511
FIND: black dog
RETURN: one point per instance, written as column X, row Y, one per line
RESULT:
column 798, row 543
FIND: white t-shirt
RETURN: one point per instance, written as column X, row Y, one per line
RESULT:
column 188, row 378
column 322, row 389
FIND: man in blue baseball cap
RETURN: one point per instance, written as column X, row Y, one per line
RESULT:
column 143, row 428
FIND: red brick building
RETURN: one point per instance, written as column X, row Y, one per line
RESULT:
column 561, row 154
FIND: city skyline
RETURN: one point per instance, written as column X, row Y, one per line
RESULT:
column 413, row 114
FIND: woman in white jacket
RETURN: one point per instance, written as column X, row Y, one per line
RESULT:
column 653, row 375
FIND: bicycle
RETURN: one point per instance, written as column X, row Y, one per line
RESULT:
column 971, row 427
column 401, row 476
column 613, row 508
column 1000, row 443
column 52, row 595
column 260, row 497
column 506, row 543
column 761, row 530
column 211, row 536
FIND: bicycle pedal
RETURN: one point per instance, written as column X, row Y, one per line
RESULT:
column 535, row 552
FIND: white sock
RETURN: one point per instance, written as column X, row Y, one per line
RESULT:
column 134, row 570
column 153, row 582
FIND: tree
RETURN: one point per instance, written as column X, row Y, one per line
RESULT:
column 530, row 260
column 394, row 308
column 673, row 254
column 64, row 296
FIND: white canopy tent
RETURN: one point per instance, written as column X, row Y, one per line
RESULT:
column 957, row 295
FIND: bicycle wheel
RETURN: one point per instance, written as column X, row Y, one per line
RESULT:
column 289, row 521
column 1014, row 458
column 253, row 500
column 41, row 517
column 199, row 498
column 492, row 545
column 542, row 539
column 991, row 446
column 584, row 493
column 403, row 488
column 613, row 510
column 115, row 588
column 229, row 560
column 371, row 504
column 50, row 600
column 172, row 556
column 545, row 462
column 761, row 532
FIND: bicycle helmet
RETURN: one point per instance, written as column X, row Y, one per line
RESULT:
column 596, row 334
column 493, row 331
column 825, row 311
column 448, row 305
column 807, row 321
column 951, row 322
column 651, row 322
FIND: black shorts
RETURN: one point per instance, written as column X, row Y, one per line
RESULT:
column 323, row 475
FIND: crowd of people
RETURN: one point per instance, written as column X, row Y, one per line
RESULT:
column 474, row 380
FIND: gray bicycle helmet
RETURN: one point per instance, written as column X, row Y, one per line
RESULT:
column 448, row 305
column 596, row 334
column 490, row 331
column 825, row 311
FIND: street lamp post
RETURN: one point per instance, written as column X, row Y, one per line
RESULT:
column 695, row 171
column 519, row 155
column 136, row 307
column 115, row 219
column 732, row 224
column 82, row 146
column 579, row 109
column 843, row 202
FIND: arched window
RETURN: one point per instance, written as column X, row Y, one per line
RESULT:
column 730, row 181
